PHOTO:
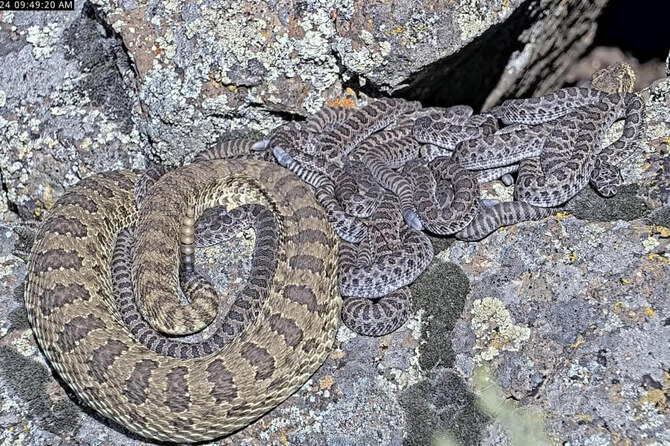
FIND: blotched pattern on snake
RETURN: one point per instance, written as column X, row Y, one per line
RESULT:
column 119, row 362
column 153, row 386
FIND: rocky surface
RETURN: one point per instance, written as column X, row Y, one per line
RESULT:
column 113, row 82
column 66, row 111
column 568, row 314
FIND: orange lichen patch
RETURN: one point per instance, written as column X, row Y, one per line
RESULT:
column 659, row 231
column 341, row 102
column 326, row 382
column 656, row 398
column 657, row 258
column 337, row 354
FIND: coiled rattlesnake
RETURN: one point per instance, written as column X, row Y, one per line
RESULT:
column 180, row 397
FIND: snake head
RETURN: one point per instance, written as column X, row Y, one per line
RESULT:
column 263, row 144
column 412, row 220
column 283, row 158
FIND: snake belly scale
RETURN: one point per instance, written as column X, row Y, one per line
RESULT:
column 183, row 399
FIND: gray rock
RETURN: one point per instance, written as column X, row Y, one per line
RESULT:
column 112, row 83
column 66, row 106
column 569, row 313
column 592, row 292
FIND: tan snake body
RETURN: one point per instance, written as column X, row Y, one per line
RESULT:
column 70, row 303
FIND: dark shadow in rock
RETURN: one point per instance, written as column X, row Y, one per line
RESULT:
column 442, row 402
column 439, row 404
column 25, row 232
column 102, row 56
column 625, row 205
column 660, row 217
column 61, row 417
column 18, row 319
column 470, row 75
column 441, row 243
column 29, row 381
column 628, row 25
column 440, row 291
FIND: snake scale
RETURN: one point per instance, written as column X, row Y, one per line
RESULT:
column 183, row 397
column 102, row 320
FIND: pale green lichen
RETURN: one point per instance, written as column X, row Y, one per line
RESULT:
column 367, row 37
column 384, row 48
column 7, row 17
column 216, row 104
column 522, row 427
column 473, row 20
column 314, row 46
column 225, row 41
column 361, row 61
column 25, row 344
column 494, row 328
column 4, row 205
column 44, row 39
column 650, row 243
column 166, row 44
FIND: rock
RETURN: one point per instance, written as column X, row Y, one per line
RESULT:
column 601, row 57
column 569, row 314
column 112, row 83
column 565, row 313
column 66, row 106
column 591, row 287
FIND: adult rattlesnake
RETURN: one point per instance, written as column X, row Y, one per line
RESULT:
column 180, row 397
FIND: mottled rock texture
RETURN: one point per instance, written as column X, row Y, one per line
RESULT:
column 99, row 87
column 570, row 314
column 67, row 101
